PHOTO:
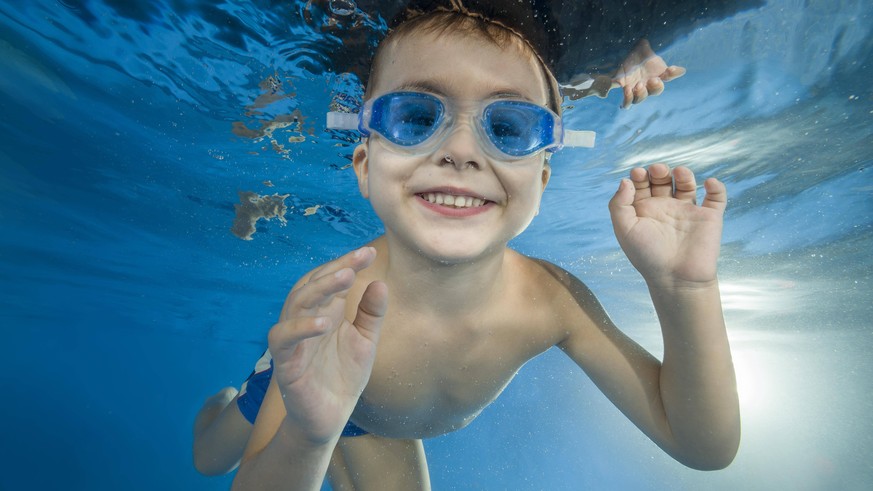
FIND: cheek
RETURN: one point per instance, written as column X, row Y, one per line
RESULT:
column 527, row 184
column 387, row 176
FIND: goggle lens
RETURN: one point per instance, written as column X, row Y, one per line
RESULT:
column 518, row 128
column 406, row 119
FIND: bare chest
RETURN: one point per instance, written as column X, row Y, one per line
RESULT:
column 435, row 375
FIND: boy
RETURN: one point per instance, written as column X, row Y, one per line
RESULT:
column 413, row 335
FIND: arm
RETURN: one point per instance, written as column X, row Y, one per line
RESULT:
column 289, row 460
column 374, row 463
column 220, row 434
column 365, row 463
column 688, row 404
column 321, row 365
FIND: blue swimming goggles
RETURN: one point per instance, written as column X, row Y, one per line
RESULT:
column 417, row 123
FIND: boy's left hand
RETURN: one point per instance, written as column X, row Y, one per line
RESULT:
column 667, row 237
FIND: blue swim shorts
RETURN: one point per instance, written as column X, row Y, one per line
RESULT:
column 253, row 390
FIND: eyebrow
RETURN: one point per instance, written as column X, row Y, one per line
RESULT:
column 441, row 87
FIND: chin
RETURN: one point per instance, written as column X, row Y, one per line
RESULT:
column 460, row 254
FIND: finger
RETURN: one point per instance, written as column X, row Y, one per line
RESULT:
column 325, row 282
column 628, row 97
column 716, row 194
column 621, row 207
column 654, row 86
column 672, row 73
column 640, row 92
column 356, row 260
column 286, row 335
column 320, row 291
column 371, row 310
column 685, row 187
column 661, row 180
column 640, row 179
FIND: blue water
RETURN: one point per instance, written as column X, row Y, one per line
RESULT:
column 125, row 300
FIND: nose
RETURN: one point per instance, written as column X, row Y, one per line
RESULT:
column 461, row 148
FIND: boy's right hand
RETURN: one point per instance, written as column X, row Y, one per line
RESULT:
column 321, row 361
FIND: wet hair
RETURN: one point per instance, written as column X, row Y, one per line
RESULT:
column 458, row 20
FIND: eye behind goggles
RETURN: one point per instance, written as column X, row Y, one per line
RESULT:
column 415, row 122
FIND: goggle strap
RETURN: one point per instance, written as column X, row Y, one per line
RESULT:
column 342, row 121
column 579, row 138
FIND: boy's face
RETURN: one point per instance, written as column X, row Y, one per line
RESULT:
column 405, row 188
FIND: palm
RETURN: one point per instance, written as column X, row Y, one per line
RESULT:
column 322, row 362
column 324, row 376
column 664, row 234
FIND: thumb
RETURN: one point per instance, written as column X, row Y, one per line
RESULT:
column 621, row 207
column 371, row 310
column 716, row 194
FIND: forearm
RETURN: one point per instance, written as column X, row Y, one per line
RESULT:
column 696, row 379
column 285, row 464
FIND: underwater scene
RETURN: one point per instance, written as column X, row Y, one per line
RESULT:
column 167, row 175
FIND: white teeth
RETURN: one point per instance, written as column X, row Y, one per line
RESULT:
column 452, row 200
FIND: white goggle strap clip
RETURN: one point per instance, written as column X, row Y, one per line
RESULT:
column 342, row 121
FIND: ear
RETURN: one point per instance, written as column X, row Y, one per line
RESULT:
column 547, row 174
column 361, row 163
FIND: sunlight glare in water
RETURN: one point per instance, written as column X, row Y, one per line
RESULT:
column 748, row 304
column 761, row 295
column 750, row 385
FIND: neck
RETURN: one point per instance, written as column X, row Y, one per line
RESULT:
column 431, row 286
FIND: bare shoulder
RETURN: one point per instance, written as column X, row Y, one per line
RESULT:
column 573, row 306
column 560, row 284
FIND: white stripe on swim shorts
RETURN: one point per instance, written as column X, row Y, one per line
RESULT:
column 262, row 365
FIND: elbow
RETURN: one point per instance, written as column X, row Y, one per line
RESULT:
column 713, row 455
column 208, row 469
column 242, row 480
column 212, row 466
column 711, row 462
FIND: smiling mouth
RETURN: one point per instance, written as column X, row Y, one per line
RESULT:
column 453, row 201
